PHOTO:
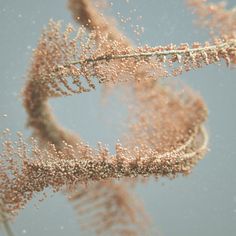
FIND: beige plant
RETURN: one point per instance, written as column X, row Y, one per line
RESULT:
column 166, row 136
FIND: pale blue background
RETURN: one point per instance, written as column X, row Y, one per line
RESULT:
column 203, row 203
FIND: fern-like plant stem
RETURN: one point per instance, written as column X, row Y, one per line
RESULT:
column 158, row 53
column 7, row 228
column 5, row 224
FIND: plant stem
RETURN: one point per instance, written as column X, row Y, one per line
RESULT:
column 4, row 222
column 7, row 228
column 230, row 43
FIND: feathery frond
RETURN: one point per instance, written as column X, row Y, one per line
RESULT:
column 166, row 136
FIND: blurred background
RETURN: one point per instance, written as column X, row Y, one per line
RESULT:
column 203, row 203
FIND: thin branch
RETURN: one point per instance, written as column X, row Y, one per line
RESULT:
column 228, row 44
column 5, row 223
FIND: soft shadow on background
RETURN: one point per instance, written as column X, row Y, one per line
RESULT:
column 203, row 203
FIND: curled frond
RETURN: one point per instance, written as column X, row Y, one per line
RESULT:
column 215, row 16
column 166, row 136
column 108, row 208
column 171, row 143
column 85, row 13
column 77, row 63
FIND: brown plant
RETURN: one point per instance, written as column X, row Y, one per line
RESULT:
column 166, row 136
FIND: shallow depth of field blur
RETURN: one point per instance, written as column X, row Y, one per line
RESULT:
column 204, row 203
